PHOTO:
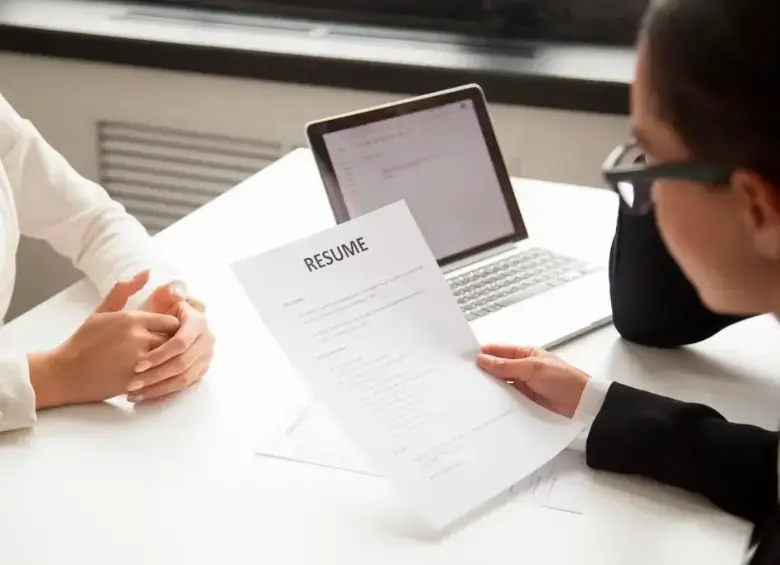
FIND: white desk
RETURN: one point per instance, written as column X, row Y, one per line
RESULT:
column 178, row 482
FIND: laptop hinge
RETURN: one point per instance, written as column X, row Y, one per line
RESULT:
column 479, row 257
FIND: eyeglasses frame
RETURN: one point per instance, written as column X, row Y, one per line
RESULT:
column 642, row 175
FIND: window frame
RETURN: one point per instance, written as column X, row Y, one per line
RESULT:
column 603, row 22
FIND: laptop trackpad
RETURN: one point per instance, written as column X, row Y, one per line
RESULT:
column 547, row 318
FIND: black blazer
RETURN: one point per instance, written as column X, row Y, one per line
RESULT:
column 685, row 445
column 693, row 447
column 653, row 303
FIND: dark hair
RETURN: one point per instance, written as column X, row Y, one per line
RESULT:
column 714, row 69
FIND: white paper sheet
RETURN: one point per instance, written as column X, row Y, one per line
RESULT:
column 563, row 484
column 307, row 434
column 367, row 319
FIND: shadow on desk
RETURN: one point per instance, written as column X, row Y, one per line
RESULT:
column 644, row 511
column 648, row 365
column 735, row 377
column 104, row 419
column 650, row 497
column 104, row 415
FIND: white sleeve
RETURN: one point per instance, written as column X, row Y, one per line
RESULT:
column 590, row 404
column 74, row 215
column 17, row 398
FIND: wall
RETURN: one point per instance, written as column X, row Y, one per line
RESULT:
column 66, row 98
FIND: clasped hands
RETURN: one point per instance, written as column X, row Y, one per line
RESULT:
column 146, row 354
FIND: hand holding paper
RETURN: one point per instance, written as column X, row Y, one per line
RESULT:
column 539, row 375
column 369, row 322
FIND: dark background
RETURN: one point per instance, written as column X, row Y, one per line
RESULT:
column 610, row 22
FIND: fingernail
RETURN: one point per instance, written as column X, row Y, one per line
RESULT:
column 142, row 366
column 484, row 360
column 135, row 385
column 135, row 398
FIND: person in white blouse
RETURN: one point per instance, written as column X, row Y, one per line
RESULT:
column 146, row 340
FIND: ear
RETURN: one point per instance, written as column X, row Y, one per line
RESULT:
column 760, row 205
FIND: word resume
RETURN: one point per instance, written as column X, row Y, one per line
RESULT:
column 368, row 321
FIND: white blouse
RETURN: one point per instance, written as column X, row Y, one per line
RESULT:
column 43, row 197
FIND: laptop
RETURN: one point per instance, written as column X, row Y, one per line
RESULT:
column 439, row 153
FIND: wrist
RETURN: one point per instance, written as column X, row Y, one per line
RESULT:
column 46, row 379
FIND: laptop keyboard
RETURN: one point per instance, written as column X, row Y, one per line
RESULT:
column 513, row 279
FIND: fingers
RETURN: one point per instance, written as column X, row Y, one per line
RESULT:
column 165, row 299
column 176, row 366
column 192, row 325
column 508, row 351
column 517, row 370
column 172, row 385
column 156, row 340
column 507, row 362
column 120, row 293
column 156, row 323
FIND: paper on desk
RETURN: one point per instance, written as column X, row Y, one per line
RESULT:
column 382, row 343
column 563, row 484
column 307, row 434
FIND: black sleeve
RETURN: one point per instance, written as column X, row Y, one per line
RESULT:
column 689, row 446
column 653, row 303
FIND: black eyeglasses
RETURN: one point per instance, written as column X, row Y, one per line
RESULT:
column 628, row 173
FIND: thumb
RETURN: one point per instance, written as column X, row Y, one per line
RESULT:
column 165, row 299
column 505, row 369
column 120, row 293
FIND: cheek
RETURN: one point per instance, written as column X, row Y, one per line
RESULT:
column 704, row 236
column 687, row 229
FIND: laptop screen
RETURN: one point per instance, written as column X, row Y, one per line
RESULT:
column 437, row 159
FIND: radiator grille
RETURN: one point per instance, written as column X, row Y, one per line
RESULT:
column 161, row 174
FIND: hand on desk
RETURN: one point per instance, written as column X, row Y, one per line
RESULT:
column 542, row 377
column 97, row 362
column 181, row 360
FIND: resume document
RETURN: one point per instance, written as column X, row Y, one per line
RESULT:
column 368, row 321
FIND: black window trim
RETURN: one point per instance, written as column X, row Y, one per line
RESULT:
column 605, row 22
column 544, row 74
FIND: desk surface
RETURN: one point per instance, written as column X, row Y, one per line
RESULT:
column 177, row 482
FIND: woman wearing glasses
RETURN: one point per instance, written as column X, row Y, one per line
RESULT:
column 706, row 166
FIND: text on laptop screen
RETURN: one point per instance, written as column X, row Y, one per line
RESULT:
column 437, row 160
